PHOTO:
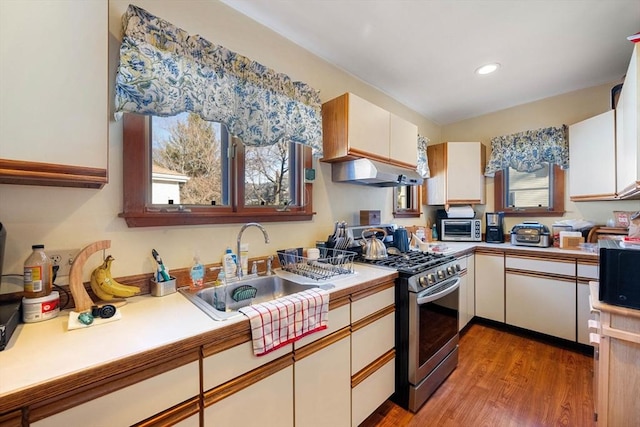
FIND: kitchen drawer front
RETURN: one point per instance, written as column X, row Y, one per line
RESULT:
column 364, row 307
column 371, row 341
column 338, row 318
column 228, row 364
column 588, row 271
column 372, row 392
column 133, row 403
column 541, row 266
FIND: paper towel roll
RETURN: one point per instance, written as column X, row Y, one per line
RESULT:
column 461, row 212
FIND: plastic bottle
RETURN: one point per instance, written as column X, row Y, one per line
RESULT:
column 434, row 233
column 220, row 293
column 229, row 264
column 244, row 258
column 197, row 274
column 38, row 274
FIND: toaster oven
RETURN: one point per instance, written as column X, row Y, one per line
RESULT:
column 461, row 230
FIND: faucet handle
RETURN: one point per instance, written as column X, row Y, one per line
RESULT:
column 269, row 261
column 254, row 266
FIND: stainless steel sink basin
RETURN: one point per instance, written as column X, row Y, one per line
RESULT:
column 251, row 290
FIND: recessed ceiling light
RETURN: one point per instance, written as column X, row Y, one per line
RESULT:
column 488, row 68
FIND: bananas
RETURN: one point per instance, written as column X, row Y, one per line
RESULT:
column 106, row 287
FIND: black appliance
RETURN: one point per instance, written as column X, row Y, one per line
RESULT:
column 619, row 279
column 9, row 312
column 494, row 227
column 426, row 323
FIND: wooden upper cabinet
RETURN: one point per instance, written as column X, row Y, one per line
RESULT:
column 54, row 85
column 403, row 142
column 354, row 128
column 592, row 150
column 628, row 135
column 457, row 174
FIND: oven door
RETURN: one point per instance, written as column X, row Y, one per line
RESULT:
column 433, row 327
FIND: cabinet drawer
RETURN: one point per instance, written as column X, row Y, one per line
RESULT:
column 134, row 403
column 371, row 341
column 338, row 319
column 228, row 364
column 372, row 392
column 588, row 271
column 563, row 268
column 364, row 307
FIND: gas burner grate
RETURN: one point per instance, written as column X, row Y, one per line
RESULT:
column 411, row 262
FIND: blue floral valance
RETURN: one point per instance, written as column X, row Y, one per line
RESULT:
column 164, row 71
column 527, row 151
column 423, row 162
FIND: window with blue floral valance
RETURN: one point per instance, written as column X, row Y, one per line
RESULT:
column 527, row 151
column 164, row 71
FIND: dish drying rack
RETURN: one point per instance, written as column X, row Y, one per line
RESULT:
column 332, row 262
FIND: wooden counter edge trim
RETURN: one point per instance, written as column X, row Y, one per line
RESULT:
column 11, row 419
column 543, row 258
column 323, row 342
column 373, row 317
column 371, row 368
column 489, row 251
column 173, row 415
column 539, row 274
column 245, row 380
column 358, row 295
column 58, row 403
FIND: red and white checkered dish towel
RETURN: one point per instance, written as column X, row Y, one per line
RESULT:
column 282, row 321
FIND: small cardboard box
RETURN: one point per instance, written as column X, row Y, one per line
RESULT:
column 570, row 239
column 369, row 217
column 622, row 218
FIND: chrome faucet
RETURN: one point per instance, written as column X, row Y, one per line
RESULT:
column 238, row 255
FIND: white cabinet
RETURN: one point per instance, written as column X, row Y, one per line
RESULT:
column 355, row 128
column 322, row 374
column 134, row 403
column 541, row 296
column 372, row 351
column 592, row 150
column 54, row 85
column 586, row 272
column 467, row 290
column 628, row 137
column 403, row 142
column 489, row 282
column 457, row 175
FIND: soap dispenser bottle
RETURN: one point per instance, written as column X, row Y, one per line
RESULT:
column 197, row 274
column 229, row 264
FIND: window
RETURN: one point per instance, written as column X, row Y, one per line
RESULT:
column 538, row 193
column 406, row 201
column 182, row 170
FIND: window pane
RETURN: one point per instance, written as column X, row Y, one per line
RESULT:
column 528, row 189
column 189, row 161
column 268, row 175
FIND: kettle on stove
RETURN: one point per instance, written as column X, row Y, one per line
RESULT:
column 373, row 248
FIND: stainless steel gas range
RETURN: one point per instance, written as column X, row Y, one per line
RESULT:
column 426, row 323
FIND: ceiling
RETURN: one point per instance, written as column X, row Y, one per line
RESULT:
column 423, row 53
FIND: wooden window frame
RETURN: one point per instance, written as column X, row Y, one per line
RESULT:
column 414, row 210
column 558, row 197
column 138, row 211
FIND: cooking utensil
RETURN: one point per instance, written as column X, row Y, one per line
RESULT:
column 374, row 249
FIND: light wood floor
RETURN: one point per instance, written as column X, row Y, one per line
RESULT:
column 504, row 379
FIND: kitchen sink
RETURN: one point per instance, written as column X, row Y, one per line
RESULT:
column 238, row 294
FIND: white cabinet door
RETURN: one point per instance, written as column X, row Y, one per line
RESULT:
column 489, row 275
column 322, row 384
column 54, row 82
column 583, row 313
column 628, row 137
column 371, row 342
column 372, row 392
column 541, row 304
column 403, row 142
column 466, row 291
column 592, row 149
column 266, row 403
column 471, row 287
column 465, row 179
column 368, row 127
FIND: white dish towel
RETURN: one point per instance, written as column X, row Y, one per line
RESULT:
column 282, row 321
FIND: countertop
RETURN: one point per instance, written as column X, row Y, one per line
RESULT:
column 41, row 352
column 46, row 351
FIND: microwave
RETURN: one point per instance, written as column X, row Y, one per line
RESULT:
column 461, row 230
column 619, row 274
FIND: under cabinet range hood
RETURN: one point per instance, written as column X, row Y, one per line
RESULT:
column 373, row 173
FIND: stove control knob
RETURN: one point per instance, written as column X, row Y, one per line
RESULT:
column 431, row 278
column 451, row 270
column 441, row 274
column 458, row 267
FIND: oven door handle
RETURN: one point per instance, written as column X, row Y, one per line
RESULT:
column 455, row 284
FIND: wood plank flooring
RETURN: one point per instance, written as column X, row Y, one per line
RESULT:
column 504, row 379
